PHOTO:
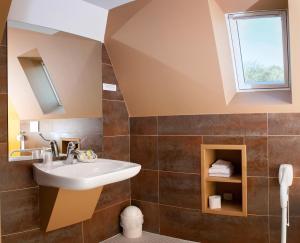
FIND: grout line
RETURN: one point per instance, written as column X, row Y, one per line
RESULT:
column 143, row 201
column 284, row 135
column 214, row 135
column 199, row 174
column 198, row 209
column 123, row 101
column 223, row 135
column 116, row 136
column 279, row 216
column 149, row 170
column 173, row 172
column 20, row 189
column 208, row 114
column 38, row 204
column 117, row 82
column 179, row 172
column 20, row 232
column 157, row 126
column 82, row 232
column 158, row 166
column 173, row 206
column 143, row 135
column 129, row 130
column 268, row 171
column 257, row 177
column 110, row 206
column 129, row 137
column 258, row 215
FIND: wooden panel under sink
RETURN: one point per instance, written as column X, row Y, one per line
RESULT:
column 61, row 207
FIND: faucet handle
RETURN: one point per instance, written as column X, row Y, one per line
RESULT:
column 71, row 147
column 54, row 148
column 72, row 144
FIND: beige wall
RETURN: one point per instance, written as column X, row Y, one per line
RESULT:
column 167, row 62
column 159, row 64
column 74, row 64
column 223, row 50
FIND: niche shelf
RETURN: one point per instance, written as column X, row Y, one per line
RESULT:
column 236, row 185
column 65, row 142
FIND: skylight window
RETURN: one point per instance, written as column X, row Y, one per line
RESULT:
column 51, row 85
column 260, row 50
column 41, row 84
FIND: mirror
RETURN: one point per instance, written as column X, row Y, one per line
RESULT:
column 54, row 91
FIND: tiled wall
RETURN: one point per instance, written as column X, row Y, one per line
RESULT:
column 19, row 192
column 115, row 197
column 168, row 188
column 88, row 130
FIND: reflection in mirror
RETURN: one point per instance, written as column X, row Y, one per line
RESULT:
column 54, row 92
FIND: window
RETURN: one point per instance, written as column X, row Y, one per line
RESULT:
column 51, row 84
column 260, row 49
column 41, row 84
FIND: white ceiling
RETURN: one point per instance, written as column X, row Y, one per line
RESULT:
column 86, row 18
column 30, row 27
column 109, row 4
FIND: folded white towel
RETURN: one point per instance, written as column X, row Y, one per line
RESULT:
column 222, row 164
column 220, row 170
column 219, row 175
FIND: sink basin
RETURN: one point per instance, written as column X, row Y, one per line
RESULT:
column 84, row 176
column 20, row 158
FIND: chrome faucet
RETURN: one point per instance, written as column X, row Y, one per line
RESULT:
column 54, row 148
column 71, row 152
column 53, row 145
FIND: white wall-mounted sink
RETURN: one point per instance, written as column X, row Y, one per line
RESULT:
column 20, row 158
column 84, row 176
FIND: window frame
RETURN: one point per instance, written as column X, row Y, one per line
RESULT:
column 237, row 53
column 51, row 83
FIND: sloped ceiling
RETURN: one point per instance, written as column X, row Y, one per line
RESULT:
column 108, row 4
column 85, row 18
column 166, row 57
column 159, row 65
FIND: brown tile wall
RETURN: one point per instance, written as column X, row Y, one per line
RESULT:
column 19, row 193
column 115, row 197
column 168, row 187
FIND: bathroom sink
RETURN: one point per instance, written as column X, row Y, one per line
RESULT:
column 84, row 176
column 19, row 158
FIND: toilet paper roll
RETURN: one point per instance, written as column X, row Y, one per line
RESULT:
column 214, row 201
